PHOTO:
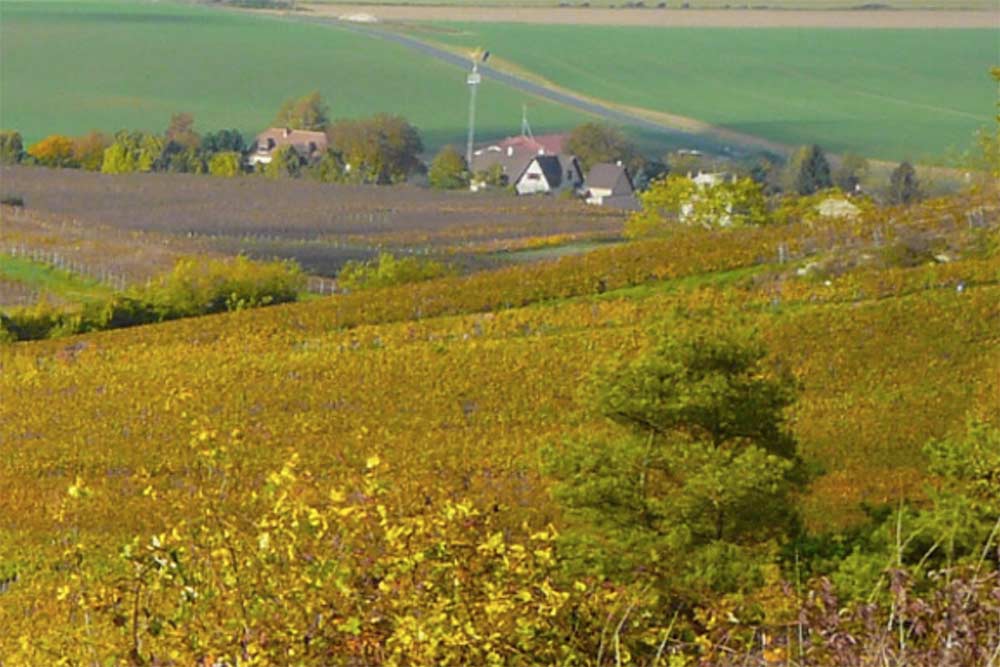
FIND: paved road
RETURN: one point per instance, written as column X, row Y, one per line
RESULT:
column 617, row 116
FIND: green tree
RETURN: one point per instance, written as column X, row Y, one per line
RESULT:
column 448, row 170
column 226, row 163
column 678, row 199
column 695, row 488
column 223, row 141
column 593, row 143
column 904, row 188
column 285, row 163
column 807, row 171
column 329, row 168
column 131, row 152
column 11, row 147
column 308, row 112
column 492, row 176
column 957, row 524
column 381, row 149
column 850, row 172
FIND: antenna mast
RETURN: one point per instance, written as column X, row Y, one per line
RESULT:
column 474, row 79
column 525, row 127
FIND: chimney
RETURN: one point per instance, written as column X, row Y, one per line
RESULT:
column 286, row 132
column 618, row 162
column 510, row 151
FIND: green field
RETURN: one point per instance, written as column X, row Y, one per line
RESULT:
column 68, row 67
column 894, row 94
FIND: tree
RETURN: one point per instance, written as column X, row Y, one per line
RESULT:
column 850, row 172
column 226, row 163
column 593, row 143
column 492, row 176
column 180, row 131
column 695, row 488
column 55, row 150
column 223, row 141
column 381, row 149
column 807, row 171
column 285, row 163
column 88, row 150
column 308, row 112
column 11, row 147
column 329, row 169
column 903, row 185
column 130, row 152
column 448, row 170
column 678, row 199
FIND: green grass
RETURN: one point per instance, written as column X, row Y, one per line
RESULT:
column 49, row 279
column 892, row 94
column 694, row 4
column 68, row 67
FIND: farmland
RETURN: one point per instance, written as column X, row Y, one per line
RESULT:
column 891, row 94
column 458, row 384
column 150, row 219
column 72, row 67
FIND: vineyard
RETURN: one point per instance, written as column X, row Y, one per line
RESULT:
column 320, row 225
column 456, row 385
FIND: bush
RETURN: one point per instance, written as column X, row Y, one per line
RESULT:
column 199, row 287
column 36, row 322
column 194, row 287
column 11, row 147
column 387, row 270
column 12, row 200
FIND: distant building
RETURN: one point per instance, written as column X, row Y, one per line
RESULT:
column 532, row 165
column 309, row 145
column 609, row 184
column 546, row 174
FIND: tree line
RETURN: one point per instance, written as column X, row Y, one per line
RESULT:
column 386, row 149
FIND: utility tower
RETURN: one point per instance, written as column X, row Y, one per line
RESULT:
column 474, row 79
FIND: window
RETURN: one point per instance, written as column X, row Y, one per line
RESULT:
column 534, row 177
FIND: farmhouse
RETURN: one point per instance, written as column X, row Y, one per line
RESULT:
column 309, row 145
column 549, row 174
column 610, row 185
column 528, row 163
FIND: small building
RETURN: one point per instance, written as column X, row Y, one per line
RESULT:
column 547, row 174
column 513, row 157
column 609, row 184
column 308, row 144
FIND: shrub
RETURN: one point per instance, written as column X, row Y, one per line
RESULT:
column 228, row 163
column 387, row 270
column 12, row 200
column 11, row 147
column 448, row 170
column 32, row 323
column 199, row 287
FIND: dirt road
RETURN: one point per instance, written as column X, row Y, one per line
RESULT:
column 674, row 18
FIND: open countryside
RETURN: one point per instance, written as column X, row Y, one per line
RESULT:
column 359, row 342
column 901, row 94
column 73, row 67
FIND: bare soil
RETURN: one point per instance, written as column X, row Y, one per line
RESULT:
column 675, row 18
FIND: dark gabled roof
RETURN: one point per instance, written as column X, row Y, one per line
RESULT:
column 613, row 177
column 552, row 169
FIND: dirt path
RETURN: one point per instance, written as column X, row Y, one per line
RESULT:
column 674, row 18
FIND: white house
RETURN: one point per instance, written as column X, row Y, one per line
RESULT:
column 546, row 174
